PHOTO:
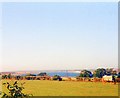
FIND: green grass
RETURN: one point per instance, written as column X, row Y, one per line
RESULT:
column 67, row 88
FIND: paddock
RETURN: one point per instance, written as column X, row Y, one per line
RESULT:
column 66, row 88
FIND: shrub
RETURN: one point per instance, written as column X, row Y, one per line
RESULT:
column 15, row 91
column 42, row 74
column 57, row 77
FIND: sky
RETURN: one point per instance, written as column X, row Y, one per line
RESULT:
column 59, row 1
column 59, row 36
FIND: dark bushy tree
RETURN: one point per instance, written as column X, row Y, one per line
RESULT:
column 118, row 76
column 100, row 72
column 57, row 77
column 18, row 77
column 4, row 76
column 111, row 71
column 30, row 74
column 85, row 73
column 9, row 76
column 42, row 74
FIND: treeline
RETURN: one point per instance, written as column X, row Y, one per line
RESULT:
column 100, row 72
column 40, row 76
column 84, row 74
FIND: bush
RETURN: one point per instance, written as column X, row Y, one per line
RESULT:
column 15, row 91
column 57, row 77
column 42, row 74
column 86, row 73
column 118, row 76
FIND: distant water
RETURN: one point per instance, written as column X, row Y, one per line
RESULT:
column 62, row 74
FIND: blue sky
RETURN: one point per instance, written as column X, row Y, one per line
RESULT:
column 44, row 36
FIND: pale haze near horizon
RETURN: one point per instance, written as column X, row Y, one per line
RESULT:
column 56, row 36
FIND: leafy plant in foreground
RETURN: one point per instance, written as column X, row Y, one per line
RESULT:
column 15, row 91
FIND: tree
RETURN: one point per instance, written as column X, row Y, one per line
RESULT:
column 118, row 76
column 30, row 74
column 100, row 72
column 114, row 72
column 42, row 74
column 85, row 73
column 81, row 75
column 4, row 76
column 57, row 77
column 18, row 77
column 111, row 71
column 9, row 76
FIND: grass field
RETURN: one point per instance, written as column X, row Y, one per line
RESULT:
column 67, row 88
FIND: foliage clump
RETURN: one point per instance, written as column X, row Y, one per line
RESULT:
column 57, row 77
column 15, row 91
column 42, row 74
